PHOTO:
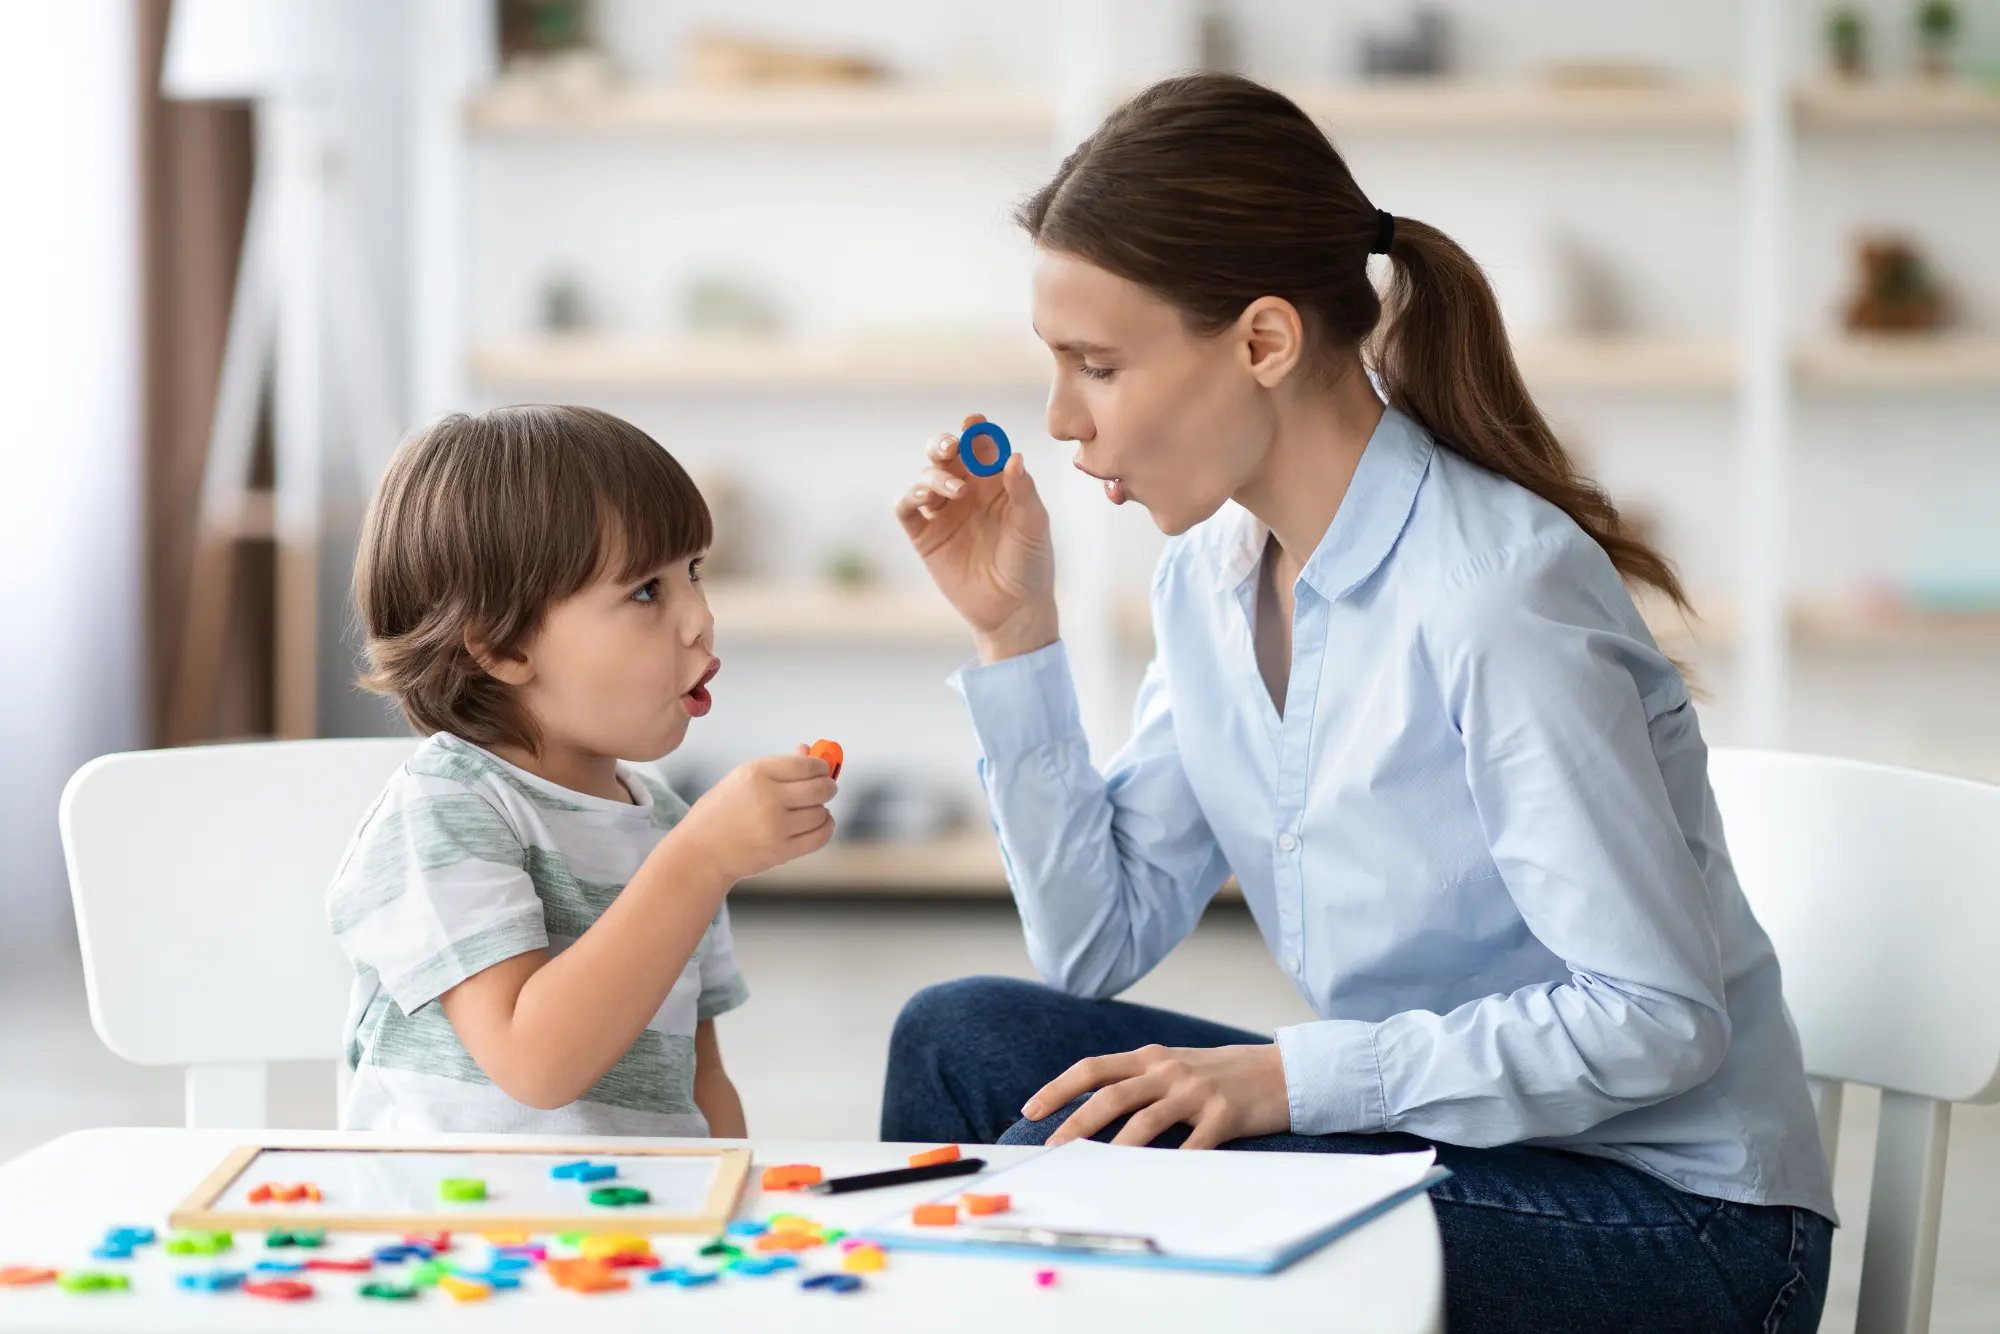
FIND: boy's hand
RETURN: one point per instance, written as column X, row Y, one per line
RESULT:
column 763, row 814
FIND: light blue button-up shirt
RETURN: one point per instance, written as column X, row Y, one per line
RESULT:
column 1480, row 838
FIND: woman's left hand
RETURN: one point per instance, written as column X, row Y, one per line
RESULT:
column 1224, row 1093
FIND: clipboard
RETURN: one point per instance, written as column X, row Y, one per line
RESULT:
column 1213, row 1211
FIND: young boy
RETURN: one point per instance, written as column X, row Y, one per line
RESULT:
column 536, row 920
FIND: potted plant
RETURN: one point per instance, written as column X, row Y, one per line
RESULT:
column 1847, row 41
column 1937, row 29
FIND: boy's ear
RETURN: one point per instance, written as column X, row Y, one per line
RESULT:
column 507, row 671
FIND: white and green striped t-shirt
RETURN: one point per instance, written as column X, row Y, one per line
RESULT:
column 466, row 861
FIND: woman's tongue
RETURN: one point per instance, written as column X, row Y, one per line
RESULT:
column 1114, row 491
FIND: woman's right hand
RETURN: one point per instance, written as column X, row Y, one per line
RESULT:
column 985, row 541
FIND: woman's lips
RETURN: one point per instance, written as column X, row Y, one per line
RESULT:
column 698, row 701
column 1114, row 487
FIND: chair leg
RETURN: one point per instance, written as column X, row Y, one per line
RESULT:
column 1899, row 1259
column 232, row 1097
column 1827, row 1096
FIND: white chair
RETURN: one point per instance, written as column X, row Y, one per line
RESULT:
column 1880, row 888
column 199, row 877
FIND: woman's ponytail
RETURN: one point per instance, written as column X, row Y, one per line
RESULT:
column 1443, row 358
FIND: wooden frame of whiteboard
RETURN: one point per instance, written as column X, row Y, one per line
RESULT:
column 731, row 1173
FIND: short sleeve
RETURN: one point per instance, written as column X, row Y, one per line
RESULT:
column 434, row 889
column 722, row 984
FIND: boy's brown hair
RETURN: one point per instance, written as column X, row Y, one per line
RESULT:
column 481, row 524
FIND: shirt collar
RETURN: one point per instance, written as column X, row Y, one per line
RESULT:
column 1365, row 527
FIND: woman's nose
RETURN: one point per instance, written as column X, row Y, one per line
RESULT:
column 1067, row 419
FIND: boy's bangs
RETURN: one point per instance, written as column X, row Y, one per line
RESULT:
column 656, row 519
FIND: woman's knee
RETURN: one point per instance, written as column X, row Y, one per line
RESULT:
column 1038, row 1132
column 946, row 1013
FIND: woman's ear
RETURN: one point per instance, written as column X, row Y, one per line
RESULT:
column 1273, row 338
column 515, row 671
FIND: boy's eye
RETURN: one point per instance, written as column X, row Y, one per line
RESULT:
column 1098, row 372
column 647, row 592
column 694, row 570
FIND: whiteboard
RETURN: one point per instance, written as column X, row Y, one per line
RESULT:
column 393, row 1189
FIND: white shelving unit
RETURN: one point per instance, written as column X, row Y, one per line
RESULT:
column 1759, row 623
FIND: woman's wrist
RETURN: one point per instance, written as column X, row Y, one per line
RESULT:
column 1027, row 630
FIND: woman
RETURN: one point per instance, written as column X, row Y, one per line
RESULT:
column 1401, row 693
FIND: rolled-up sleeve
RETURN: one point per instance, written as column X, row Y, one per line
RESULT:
column 1111, row 870
column 1554, row 694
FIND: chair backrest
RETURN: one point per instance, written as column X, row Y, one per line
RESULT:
column 199, row 877
column 1880, row 888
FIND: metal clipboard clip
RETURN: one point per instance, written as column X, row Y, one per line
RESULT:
column 1054, row 1239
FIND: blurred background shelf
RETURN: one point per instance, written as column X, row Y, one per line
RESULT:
column 777, row 613
column 912, row 360
column 948, row 361
column 1905, row 361
column 1828, row 622
column 1888, row 103
column 1625, row 362
column 930, row 110
column 806, row 613
column 964, row 865
column 672, row 109
column 1418, row 104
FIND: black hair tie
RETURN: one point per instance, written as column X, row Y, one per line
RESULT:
column 1385, row 231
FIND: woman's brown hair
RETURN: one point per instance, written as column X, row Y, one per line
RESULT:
column 481, row 524
column 1212, row 191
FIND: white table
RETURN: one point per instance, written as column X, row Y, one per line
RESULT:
column 56, row 1202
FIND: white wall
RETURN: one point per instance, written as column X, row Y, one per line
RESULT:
column 70, row 643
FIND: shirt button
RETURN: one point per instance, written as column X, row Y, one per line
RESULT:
column 1293, row 963
column 1287, row 842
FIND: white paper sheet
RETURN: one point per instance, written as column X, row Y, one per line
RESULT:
column 1219, row 1205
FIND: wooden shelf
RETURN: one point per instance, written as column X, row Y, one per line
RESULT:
column 1860, row 626
column 967, row 864
column 913, row 360
column 931, row 110
column 1418, row 104
column 1627, row 363
column 1833, row 623
column 806, row 111
column 1907, row 361
column 782, row 613
column 807, row 614
column 944, row 361
column 1889, row 105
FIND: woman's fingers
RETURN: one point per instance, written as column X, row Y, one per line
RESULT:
column 944, row 454
column 1105, row 1106
column 1087, row 1074
column 1151, row 1122
column 1210, row 1127
column 935, row 486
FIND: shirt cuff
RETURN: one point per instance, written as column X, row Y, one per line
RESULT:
column 1333, row 1078
column 1020, row 704
column 721, row 998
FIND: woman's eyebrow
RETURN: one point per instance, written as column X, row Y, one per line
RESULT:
column 1081, row 347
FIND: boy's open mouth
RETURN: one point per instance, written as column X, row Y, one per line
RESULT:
column 698, row 701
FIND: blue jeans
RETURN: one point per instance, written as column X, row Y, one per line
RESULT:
column 1534, row 1239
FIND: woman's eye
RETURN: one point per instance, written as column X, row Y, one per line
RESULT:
column 1098, row 372
column 647, row 592
column 694, row 570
